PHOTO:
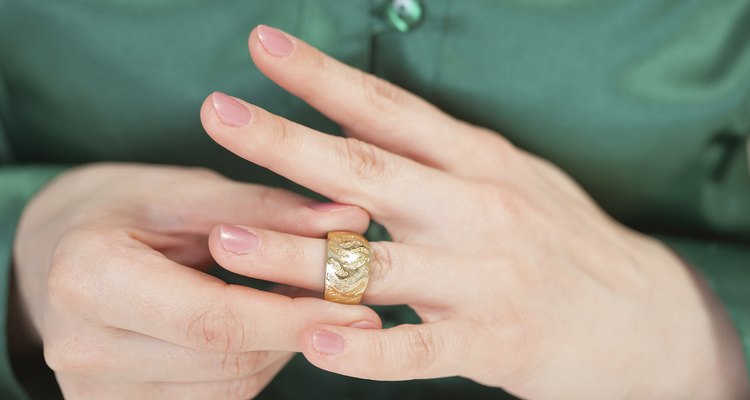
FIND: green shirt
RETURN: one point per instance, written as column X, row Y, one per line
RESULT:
column 645, row 103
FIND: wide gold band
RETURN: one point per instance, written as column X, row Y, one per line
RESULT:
column 347, row 267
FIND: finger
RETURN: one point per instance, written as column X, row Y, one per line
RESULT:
column 346, row 170
column 286, row 212
column 184, row 249
column 180, row 232
column 373, row 109
column 84, row 387
column 235, row 389
column 221, row 200
column 193, row 309
column 404, row 352
column 397, row 272
column 130, row 356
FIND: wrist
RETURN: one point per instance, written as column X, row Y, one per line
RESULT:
column 711, row 364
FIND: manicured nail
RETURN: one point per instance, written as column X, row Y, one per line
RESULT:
column 364, row 325
column 330, row 207
column 230, row 111
column 275, row 42
column 327, row 342
column 237, row 240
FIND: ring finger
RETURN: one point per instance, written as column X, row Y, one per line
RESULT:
column 397, row 271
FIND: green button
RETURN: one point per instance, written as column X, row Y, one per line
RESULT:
column 405, row 14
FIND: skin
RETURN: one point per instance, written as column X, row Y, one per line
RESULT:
column 109, row 267
column 521, row 280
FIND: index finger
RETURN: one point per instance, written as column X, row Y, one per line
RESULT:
column 152, row 295
column 348, row 171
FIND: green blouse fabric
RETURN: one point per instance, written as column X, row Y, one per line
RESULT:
column 645, row 103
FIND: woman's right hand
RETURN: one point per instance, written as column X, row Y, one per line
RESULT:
column 109, row 263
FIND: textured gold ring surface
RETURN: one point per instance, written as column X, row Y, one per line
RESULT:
column 347, row 267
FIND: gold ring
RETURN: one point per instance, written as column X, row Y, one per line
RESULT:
column 347, row 267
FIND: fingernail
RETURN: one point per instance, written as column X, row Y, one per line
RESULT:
column 327, row 342
column 330, row 207
column 230, row 111
column 275, row 42
column 364, row 325
column 237, row 240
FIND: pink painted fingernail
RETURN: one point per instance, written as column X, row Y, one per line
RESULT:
column 327, row 342
column 237, row 240
column 330, row 207
column 275, row 42
column 230, row 111
column 364, row 325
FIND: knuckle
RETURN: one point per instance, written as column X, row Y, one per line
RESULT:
column 71, row 356
column 67, row 277
column 282, row 249
column 499, row 143
column 382, row 272
column 293, row 253
column 60, row 280
column 513, row 202
column 246, row 388
column 282, row 134
column 422, row 346
column 318, row 69
column 520, row 276
column 307, row 224
column 382, row 96
column 503, row 145
column 374, row 347
column 522, row 335
column 513, row 335
column 218, row 329
column 366, row 161
column 502, row 201
column 237, row 365
column 268, row 197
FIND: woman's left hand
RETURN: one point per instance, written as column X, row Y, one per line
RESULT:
column 521, row 281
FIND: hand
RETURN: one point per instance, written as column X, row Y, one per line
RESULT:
column 101, row 259
column 521, row 281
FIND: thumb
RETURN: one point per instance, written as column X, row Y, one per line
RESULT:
column 404, row 352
